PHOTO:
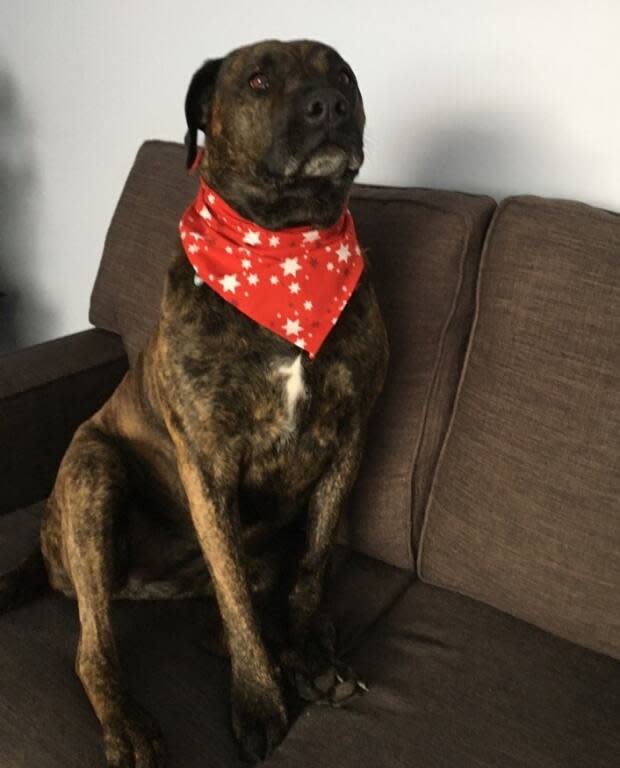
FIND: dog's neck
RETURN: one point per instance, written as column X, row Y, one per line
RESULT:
column 295, row 283
column 277, row 204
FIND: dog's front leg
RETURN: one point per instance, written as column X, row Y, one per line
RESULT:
column 324, row 508
column 258, row 712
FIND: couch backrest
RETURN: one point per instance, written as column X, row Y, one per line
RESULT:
column 424, row 249
column 524, row 511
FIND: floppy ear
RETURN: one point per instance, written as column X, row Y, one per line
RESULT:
column 197, row 102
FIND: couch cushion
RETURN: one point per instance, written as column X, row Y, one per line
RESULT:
column 456, row 683
column 424, row 248
column 168, row 654
column 524, row 511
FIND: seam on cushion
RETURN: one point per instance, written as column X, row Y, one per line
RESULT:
column 472, row 338
column 439, row 363
column 466, row 219
column 438, row 357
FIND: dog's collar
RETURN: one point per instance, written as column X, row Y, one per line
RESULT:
column 296, row 282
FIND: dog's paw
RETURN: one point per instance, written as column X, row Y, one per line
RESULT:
column 312, row 669
column 133, row 740
column 333, row 687
column 259, row 718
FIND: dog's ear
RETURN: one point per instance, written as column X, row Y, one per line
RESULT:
column 197, row 102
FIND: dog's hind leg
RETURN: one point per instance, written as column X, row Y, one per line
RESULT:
column 90, row 493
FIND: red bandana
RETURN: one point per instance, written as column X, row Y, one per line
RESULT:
column 295, row 282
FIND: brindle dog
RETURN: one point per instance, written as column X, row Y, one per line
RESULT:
column 193, row 478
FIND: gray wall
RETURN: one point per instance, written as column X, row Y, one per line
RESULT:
column 495, row 96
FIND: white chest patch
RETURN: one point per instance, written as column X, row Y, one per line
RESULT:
column 294, row 388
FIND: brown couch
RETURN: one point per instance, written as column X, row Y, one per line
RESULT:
column 476, row 583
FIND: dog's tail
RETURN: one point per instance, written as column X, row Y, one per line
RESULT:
column 23, row 583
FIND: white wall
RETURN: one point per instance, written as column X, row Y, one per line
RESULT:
column 495, row 96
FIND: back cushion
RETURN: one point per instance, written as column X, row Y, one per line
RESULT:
column 423, row 247
column 524, row 511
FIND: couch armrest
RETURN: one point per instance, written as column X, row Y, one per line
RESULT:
column 46, row 392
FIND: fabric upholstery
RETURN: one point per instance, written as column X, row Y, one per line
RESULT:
column 454, row 683
column 46, row 391
column 423, row 246
column 524, row 511
column 168, row 653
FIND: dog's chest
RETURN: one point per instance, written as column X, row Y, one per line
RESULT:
column 279, row 402
column 293, row 424
column 293, row 392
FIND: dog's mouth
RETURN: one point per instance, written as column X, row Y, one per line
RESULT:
column 330, row 160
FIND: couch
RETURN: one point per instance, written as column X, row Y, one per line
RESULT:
column 476, row 578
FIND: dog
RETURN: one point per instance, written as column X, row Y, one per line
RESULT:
column 221, row 463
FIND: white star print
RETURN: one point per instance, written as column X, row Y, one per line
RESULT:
column 343, row 252
column 290, row 266
column 229, row 283
column 292, row 327
column 357, row 250
column 274, row 240
column 211, row 199
column 192, row 248
column 204, row 212
column 246, row 263
column 308, row 305
column 229, row 249
column 330, row 266
column 253, row 279
column 252, row 237
column 300, row 343
column 274, row 280
column 294, row 287
column 310, row 237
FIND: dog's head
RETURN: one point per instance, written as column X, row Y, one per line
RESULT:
column 283, row 125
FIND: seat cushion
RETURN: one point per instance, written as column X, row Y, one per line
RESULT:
column 524, row 511
column 424, row 248
column 168, row 656
column 454, row 682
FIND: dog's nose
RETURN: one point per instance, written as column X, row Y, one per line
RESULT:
column 325, row 106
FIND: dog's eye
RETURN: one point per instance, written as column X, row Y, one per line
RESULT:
column 259, row 82
column 344, row 77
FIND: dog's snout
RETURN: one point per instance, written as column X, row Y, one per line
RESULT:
column 325, row 106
